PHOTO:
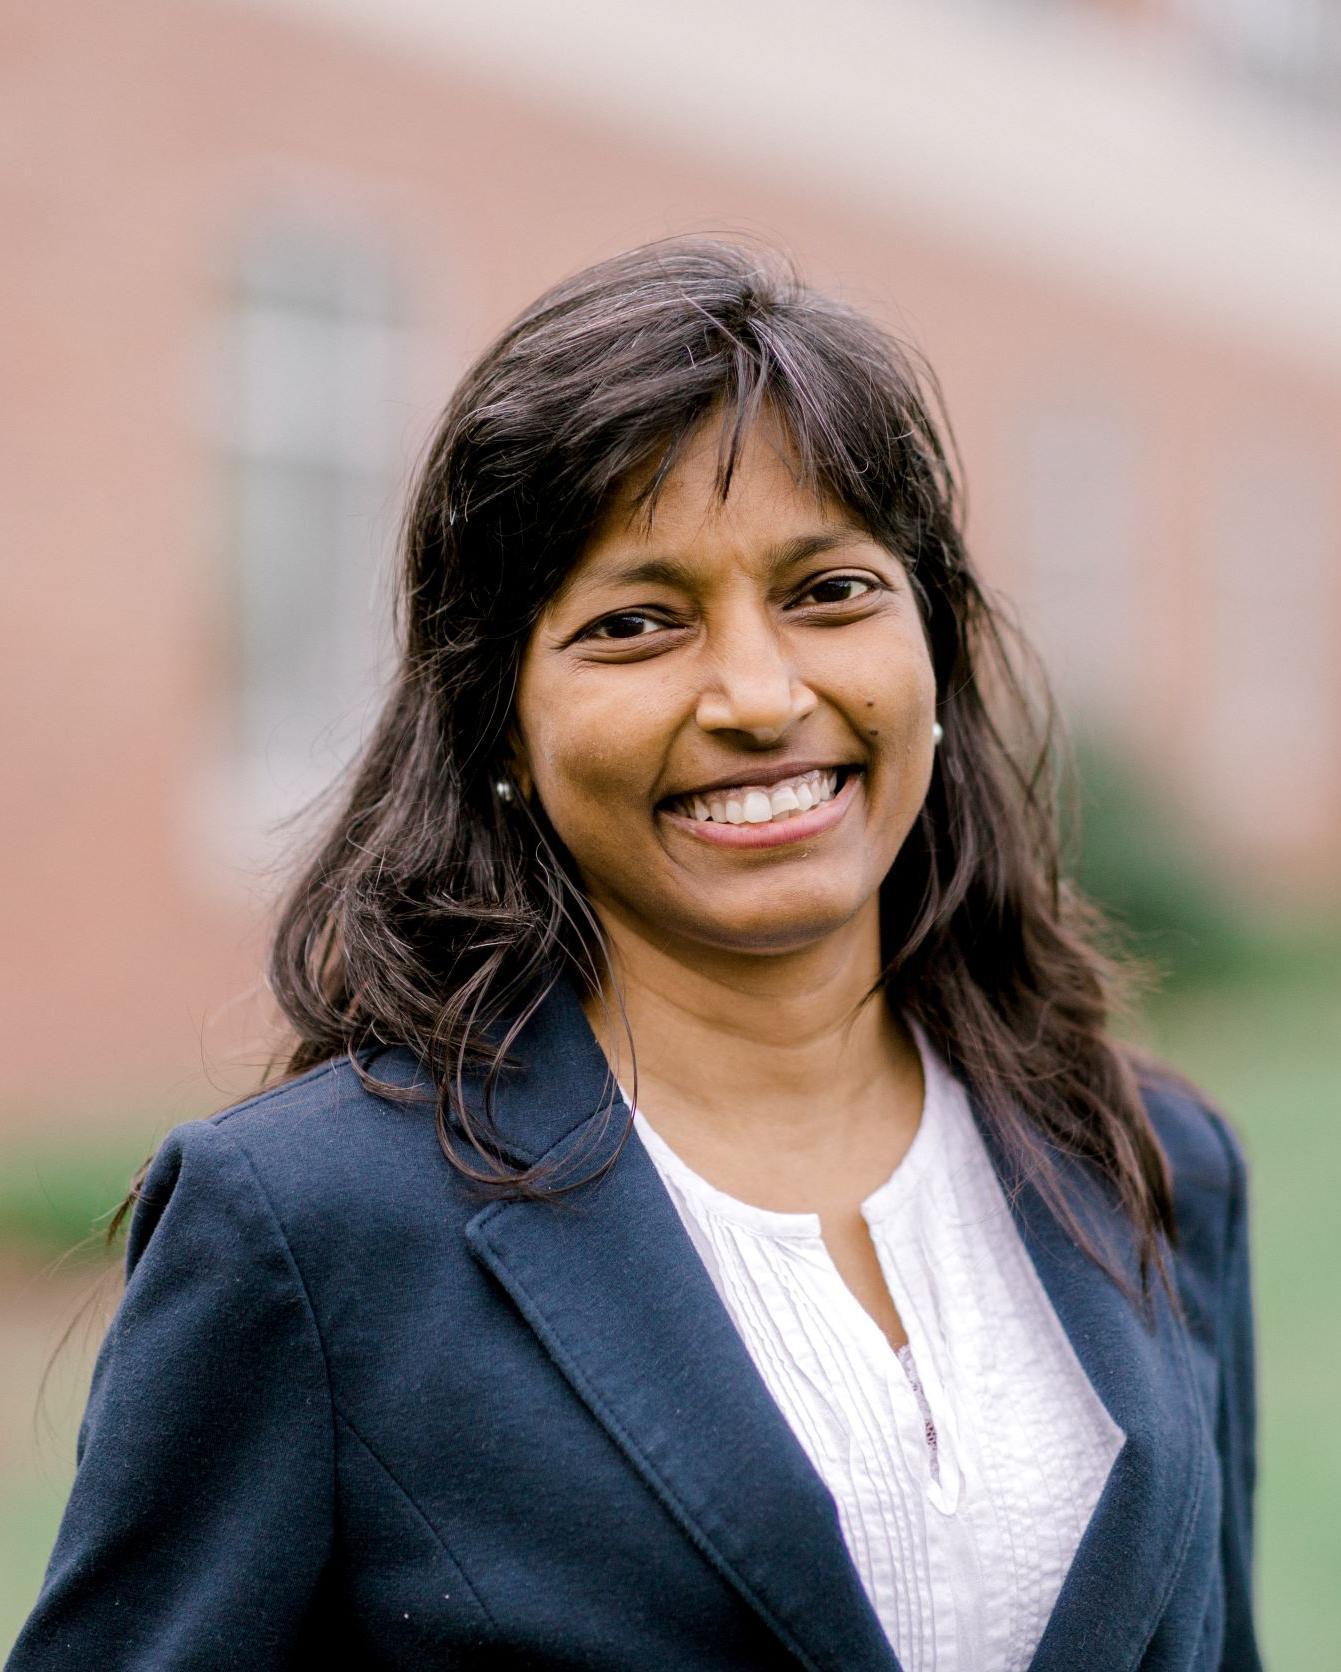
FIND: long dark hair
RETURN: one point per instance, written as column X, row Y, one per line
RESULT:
column 434, row 914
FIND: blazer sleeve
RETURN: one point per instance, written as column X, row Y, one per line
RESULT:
column 1236, row 1422
column 200, row 1519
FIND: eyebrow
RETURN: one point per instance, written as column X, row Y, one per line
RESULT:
column 670, row 571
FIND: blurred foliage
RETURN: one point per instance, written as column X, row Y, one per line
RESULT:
column 54, row 1196
column 1133, row 854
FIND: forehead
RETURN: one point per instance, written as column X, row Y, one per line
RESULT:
column 766, row 502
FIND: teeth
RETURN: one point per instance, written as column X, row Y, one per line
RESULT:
column 762, row 806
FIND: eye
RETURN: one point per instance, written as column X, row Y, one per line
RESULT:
column 842, row 581
column 612, row 628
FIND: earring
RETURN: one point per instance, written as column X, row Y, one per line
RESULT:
column 937, row 732
column 502, row 789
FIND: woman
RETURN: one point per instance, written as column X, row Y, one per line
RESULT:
column 906, row 1322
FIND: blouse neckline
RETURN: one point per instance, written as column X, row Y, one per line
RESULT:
column 877, row 1208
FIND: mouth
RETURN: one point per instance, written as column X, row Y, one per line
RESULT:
column 754, row 815
column 755, row 803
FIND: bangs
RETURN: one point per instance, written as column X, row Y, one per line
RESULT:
column 848, row 399
column 592, row 397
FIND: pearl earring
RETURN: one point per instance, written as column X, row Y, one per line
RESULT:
column 502, row 789
column 937, row 732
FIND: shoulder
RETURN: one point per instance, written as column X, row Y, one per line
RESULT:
column 1204, row 1153
column 329, row 1112
column 316, row 1160
column 1209, row 1175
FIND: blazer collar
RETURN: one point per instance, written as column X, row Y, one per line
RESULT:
column 612, row 1286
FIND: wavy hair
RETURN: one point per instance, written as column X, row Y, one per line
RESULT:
column 433, row 914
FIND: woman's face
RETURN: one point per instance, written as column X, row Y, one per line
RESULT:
column 741, row 651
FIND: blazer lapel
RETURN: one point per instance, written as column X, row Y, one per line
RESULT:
column 1128, row 1562
column 612, row 1286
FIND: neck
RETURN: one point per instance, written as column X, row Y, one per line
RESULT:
column 733, row 1048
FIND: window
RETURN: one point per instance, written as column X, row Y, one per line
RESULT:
column 312, row 427
column 1079, row 497
column 1274, row 707
column 1293, row 46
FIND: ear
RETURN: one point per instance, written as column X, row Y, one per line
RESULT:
column 517, row 761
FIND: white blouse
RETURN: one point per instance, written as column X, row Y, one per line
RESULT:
column 966, row 1466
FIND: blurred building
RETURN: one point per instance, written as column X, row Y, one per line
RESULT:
column 250, row 244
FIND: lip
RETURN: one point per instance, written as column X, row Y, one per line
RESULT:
column 762, row 777
column 800, row 827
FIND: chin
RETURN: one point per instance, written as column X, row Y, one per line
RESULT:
column 773, row 931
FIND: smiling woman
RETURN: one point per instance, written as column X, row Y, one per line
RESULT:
column 772, row 692
column 700, row 1217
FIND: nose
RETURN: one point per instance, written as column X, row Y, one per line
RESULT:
column 754, row 687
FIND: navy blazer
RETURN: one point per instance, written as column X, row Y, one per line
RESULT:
column 348, row 1409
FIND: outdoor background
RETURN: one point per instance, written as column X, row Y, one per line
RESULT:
column 249, row 246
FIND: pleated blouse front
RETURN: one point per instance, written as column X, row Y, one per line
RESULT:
column 965, row 1467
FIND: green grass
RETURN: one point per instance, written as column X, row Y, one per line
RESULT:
column 1264, row 1041
column 28, row 1518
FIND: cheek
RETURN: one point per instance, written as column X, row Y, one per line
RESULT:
column 579, row 782
column 590, row 746
column 891, row 709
